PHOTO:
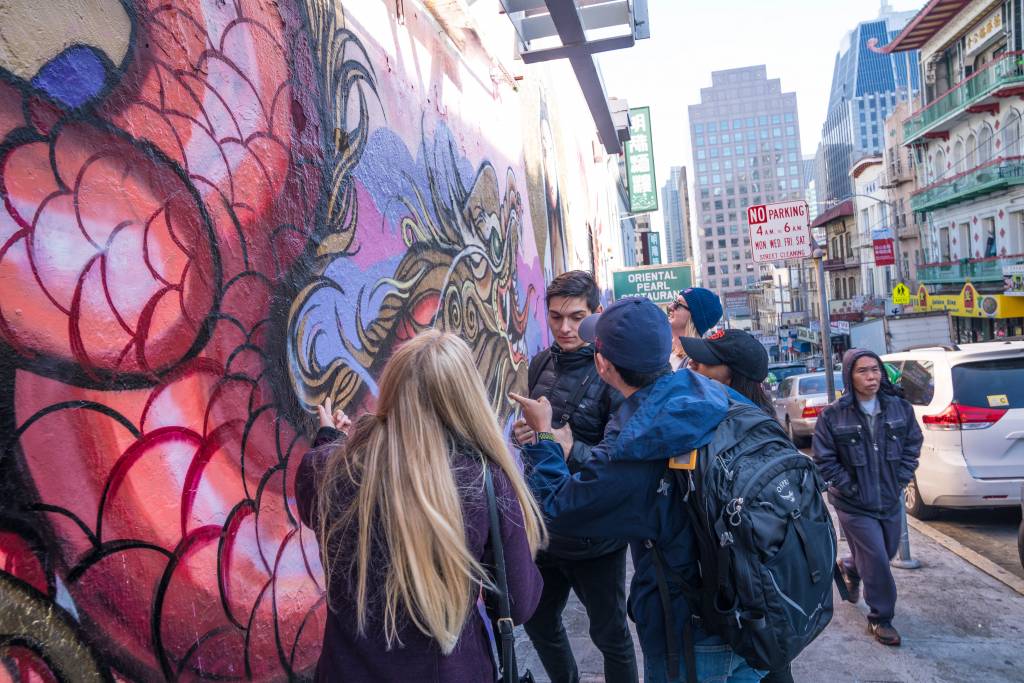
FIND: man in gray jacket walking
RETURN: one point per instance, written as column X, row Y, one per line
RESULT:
column 866, row 446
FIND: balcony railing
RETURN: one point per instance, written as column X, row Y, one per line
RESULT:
column 958, row 272
column 989, row 177
column 1006, row 69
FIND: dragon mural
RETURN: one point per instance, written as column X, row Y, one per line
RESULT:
column 212, row 220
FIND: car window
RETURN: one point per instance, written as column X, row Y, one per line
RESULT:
column 815, row 384
column 784, row 388
column 990, row 384
column 782, row 373
column 917, row 378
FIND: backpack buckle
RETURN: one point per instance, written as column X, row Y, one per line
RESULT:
column 505, row 626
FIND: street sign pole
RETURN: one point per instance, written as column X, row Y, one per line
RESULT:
column 818, row 254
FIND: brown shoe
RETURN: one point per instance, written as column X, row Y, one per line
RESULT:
column 852, row 584
column 885, row 634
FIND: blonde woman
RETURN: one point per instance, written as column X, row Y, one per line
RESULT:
column 400, row 512
column 695, row 311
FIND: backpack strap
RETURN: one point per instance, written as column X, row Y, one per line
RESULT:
column 671, row 647
column 506, row 638
column 574, row 402
column 537, row 365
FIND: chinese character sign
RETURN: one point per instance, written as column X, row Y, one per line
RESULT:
column 779, row 231
column 643, row 195
column 883, row 243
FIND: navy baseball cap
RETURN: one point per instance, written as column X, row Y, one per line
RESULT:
column 633, row 333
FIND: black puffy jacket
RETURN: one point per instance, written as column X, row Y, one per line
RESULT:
column 558, row 375
column 867, row 469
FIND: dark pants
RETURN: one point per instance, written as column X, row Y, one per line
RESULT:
column 873, row 543
column 600, row 584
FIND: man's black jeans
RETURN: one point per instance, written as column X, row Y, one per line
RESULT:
column 600, row 584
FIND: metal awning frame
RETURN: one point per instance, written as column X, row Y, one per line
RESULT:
column 569, row 20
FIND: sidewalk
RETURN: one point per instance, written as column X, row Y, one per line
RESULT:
column 958, row 624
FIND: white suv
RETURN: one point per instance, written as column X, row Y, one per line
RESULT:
column 969, row 401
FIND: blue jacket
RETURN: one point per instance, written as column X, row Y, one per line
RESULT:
column 867, row 465
column 622, row 490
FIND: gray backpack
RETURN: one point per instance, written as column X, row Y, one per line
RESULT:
column 766, row 542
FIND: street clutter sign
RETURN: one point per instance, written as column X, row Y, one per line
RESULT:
column 660, row 284
column 882, row 242
column 901, row 294
column 643, row 188
column 779, row 231
column 1013, row 280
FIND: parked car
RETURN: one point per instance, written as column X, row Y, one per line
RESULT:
column 969, row 401
column 800, row 399
column 780, row 371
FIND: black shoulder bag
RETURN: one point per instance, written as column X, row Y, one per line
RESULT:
column 508, row 671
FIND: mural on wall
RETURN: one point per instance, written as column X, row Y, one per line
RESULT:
column 556, row 239
column 216, row 214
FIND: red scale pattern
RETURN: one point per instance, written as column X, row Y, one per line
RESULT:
column 138, row 248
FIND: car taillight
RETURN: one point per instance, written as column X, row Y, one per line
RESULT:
column 956, row 417
column 811, row 411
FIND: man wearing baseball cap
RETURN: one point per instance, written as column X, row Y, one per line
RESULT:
column 622, row 490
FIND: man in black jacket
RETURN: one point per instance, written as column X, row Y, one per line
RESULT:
column 594, row 568
column 866, row 445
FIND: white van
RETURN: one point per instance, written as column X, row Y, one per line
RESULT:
column 969, row 401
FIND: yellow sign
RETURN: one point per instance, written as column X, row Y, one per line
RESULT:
column 970, row 303
column 901, row 294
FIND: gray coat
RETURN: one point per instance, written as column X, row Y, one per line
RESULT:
column 867, row 468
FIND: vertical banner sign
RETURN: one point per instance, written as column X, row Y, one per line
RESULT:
column 885, row 252
column 643, row 195
column 779, row 231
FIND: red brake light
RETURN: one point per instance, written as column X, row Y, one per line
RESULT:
column 811, row 411
column 957, row 417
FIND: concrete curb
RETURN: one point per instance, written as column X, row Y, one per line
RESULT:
column 960, row 550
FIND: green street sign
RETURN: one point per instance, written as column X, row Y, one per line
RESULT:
column 643, row 188
column 660, row 284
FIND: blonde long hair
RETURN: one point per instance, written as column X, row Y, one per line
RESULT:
column 407, row 500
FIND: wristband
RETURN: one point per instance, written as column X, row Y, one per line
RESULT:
column 545, row 436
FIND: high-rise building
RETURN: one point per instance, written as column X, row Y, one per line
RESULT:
column 866, row 85
column 746, row 145
column 675, row 206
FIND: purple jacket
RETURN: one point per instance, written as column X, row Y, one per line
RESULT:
column 352, row 658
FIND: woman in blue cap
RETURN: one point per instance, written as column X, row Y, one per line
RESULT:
column 695, row 311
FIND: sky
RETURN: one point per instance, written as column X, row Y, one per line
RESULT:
column 796, row 39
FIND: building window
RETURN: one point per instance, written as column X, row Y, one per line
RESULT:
column 958, row 156
column 985, row 144
column 972, row 151
column 1011, row 134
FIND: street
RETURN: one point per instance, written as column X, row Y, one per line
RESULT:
column 991, row 533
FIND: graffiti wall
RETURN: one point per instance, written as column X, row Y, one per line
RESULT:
column 215, row 215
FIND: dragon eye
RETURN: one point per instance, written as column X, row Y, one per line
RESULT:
column 495, row 245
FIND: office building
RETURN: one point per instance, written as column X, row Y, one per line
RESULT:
column 675, row 207
column 866, row 86
column 745, row 135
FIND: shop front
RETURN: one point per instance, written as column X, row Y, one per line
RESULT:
column 977, row 316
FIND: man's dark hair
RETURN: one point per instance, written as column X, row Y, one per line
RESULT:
column 639, row 380
column 575, row 283
column 745, row 386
